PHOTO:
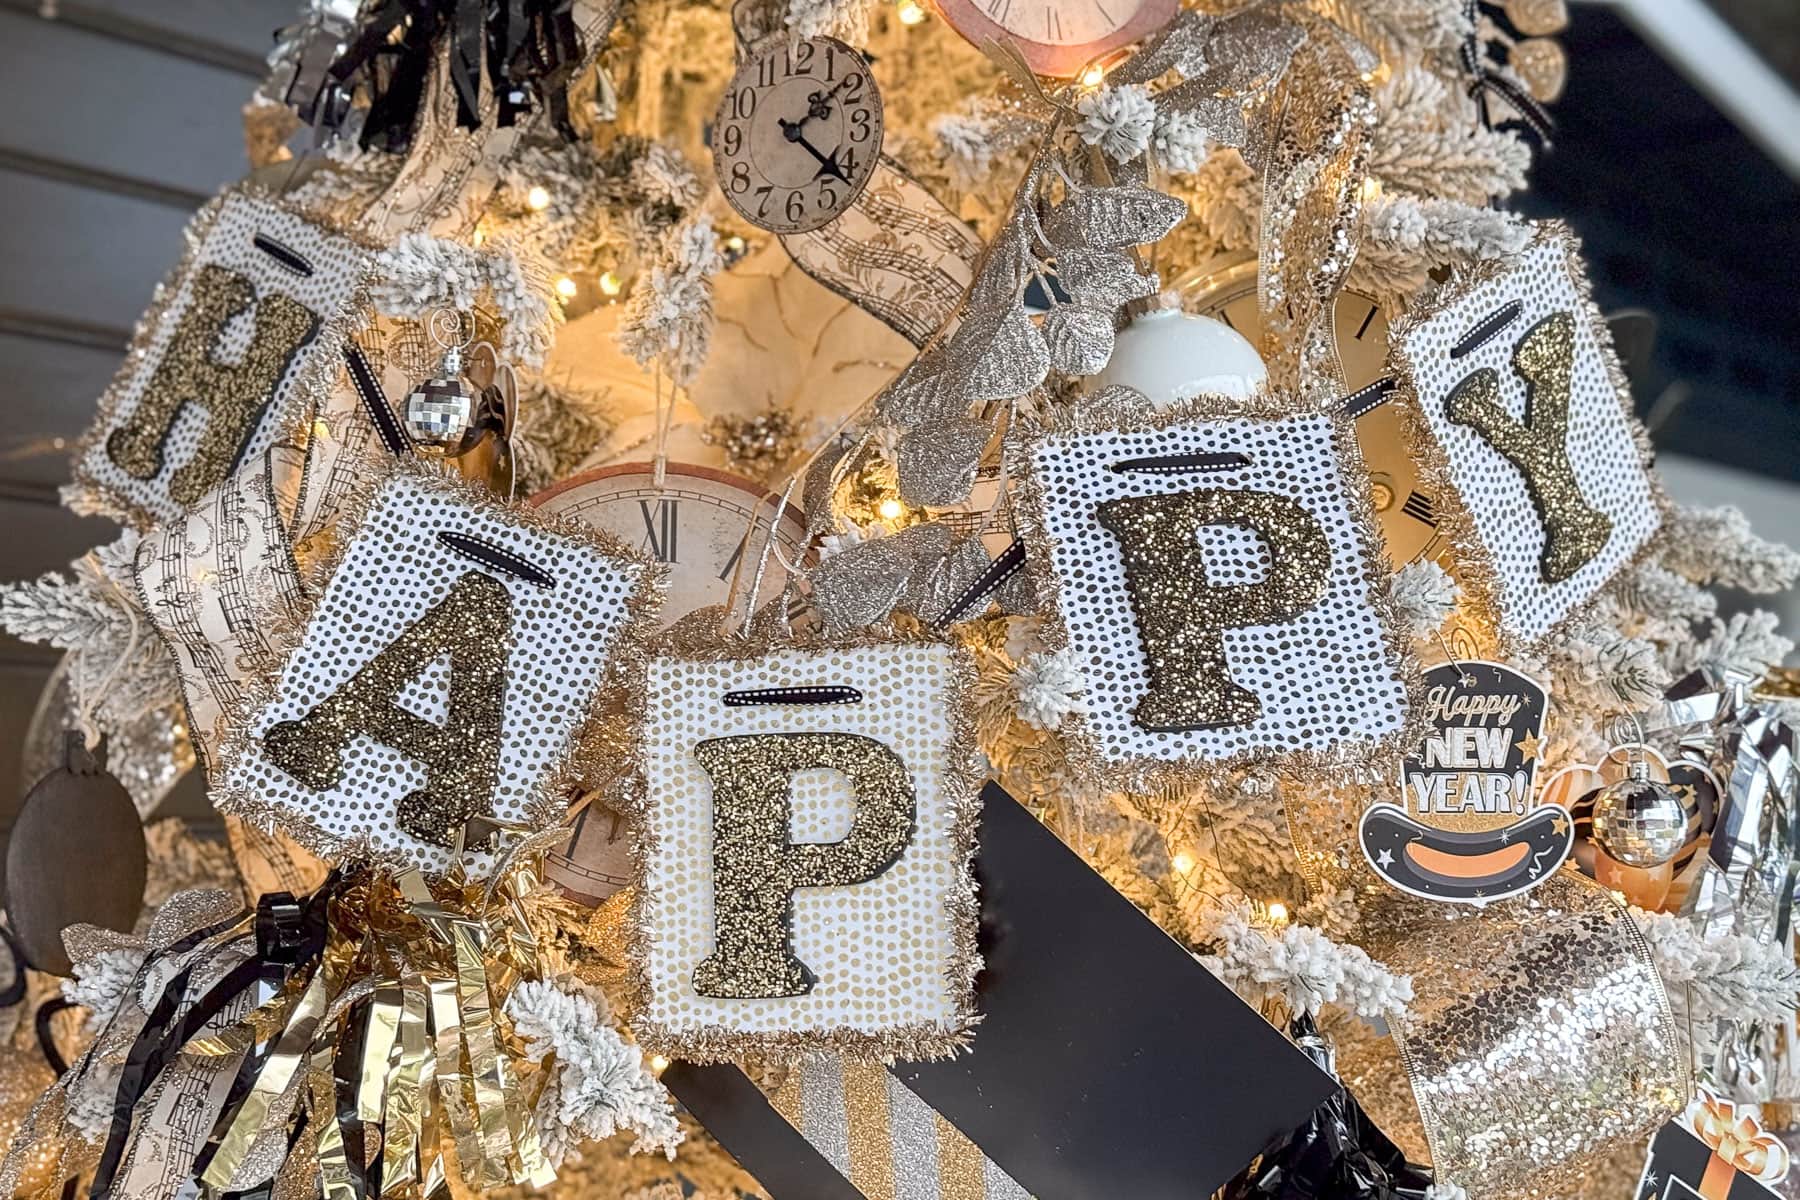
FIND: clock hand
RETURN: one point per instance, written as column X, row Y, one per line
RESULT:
column 827, row 165
column 820, row 105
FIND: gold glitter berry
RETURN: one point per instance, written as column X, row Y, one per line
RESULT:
column 1545, row 358
column 232, row 394
column 1181, row 617
column 756, row 868
column 461, row 757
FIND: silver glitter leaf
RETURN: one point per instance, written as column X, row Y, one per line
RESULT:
column 1004, row 352
column 937, row 462
column 1080, row 339
column 821, row 481
column 859, row 586
column 1101, row 278
column 942, row 581
column 1008, row 261
column 1250, row 50
column 1017, row 595
column 1222, row 115
column 921, row 393
column 1114, row 217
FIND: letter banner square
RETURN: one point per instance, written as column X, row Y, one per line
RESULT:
column 241, row 342
column 1215, row 579
column 804, row 846
column 443, row 678
column 1528, row 424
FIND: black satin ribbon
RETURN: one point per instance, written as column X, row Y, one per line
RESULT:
column 1483, row 79
column 530, row 50
column 288, row 933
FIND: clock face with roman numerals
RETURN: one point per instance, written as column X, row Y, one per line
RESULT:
column 1406, row 510
column 698, row 523
column 1058, row 37
column 797, row 134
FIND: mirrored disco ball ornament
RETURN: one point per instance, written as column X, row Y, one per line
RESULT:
column 1639, row 822
column 441, row 411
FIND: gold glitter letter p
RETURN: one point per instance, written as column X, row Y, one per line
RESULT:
column 232, row 395
column 1573, row 530
column 756, row 867
column 1182, row 618
column 461, row 757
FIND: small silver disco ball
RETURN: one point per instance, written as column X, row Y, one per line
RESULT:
column 1639, row 822
column 441, row 412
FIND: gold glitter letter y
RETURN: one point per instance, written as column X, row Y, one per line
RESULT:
column 1545, row 357
column 756, row 867
column 232, row 395
column 461, row 757
column 1181, row 617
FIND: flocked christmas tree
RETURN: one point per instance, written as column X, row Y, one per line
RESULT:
column 602, row 496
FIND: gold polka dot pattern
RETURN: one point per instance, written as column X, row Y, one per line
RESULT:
column 1325, row 679
column 281, row 338
column 885, row 954
column 1528, row 582
column 395, row 573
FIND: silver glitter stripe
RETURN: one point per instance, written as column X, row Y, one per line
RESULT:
column 912, row 1126
column 998, row 1184
column 823, row 1120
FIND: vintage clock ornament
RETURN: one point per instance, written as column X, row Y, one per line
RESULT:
column 798, row 134
column 1405, row 506
column 1058, row 37
column 701, row 523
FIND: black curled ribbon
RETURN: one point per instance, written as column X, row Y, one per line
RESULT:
column 530, row 50
column 1484, row 79
column 289, row 933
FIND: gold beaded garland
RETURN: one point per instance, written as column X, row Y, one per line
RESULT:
column 461, row 757
column 1574, row 530
column 756, row 868
column 233, row 394
column 1182, row 618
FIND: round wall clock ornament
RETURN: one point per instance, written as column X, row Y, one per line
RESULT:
column 699, row 523
column 798, row 134
column 1058, row 37
column 1405, row 508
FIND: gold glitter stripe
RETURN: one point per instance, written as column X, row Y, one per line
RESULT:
column 786, row 1098
column 960, row 1175
column 871, row 1146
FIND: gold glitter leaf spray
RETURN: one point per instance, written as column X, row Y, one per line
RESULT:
column 461, row 757
column 233, row 394
column 1574, row 531
column 756, row 868
column 1182, row 618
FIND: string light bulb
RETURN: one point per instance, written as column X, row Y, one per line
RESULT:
column 890, row 509
column 1093, row 75
column 565, row 287
column 611, row 284
column 1278, row 912
column 911, row 12
column 658, row 1064
column 1184, row 862
column 538, row 198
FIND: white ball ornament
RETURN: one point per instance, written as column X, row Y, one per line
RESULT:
column 1170, row 355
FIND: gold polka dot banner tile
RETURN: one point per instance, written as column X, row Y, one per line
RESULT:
column 1213, row 571
column 443, row 677
column 1527, row 422
column 803, row 848
column 241, row 342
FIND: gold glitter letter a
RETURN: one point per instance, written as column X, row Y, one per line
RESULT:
column 1545, row 358
column 232, row 395
column 756, row 867
column 461, row 757
column 1181, row 617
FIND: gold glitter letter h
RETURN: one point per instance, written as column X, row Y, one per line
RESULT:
column 756, row 867
column 461, row 757
column 1545, row 358
column 232, row 395
column 1181, row 617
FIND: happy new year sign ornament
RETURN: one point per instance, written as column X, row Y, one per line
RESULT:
column 1467, row 829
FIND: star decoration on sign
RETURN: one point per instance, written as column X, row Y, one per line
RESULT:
column 1530, row 746
column 1385, row 858
column 1558, row 824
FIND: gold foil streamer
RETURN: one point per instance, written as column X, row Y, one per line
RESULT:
column 1539, row 1040
column 409, row 1081
column 335, row 1177
column 284, row 1061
